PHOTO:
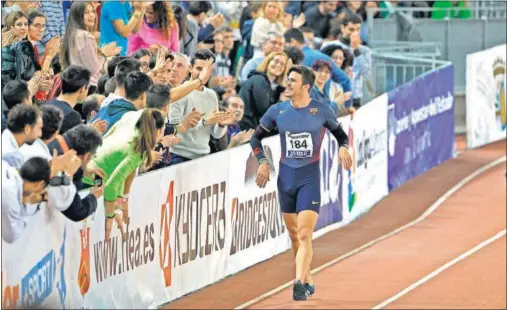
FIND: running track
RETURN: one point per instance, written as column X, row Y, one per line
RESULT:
column 455, row 257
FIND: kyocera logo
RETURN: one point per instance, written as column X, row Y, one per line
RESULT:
column 165, row 252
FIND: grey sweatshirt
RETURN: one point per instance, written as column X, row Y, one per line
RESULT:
column 195, row 142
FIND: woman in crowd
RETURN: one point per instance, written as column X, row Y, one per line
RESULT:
column 263, row 88
column 119, row 159
column 344, row 60
column 144, row 57
column 322, row 70
column 159, row 29
column 79, row 46
column 271, row 19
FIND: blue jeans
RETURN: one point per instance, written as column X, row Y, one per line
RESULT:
column 177, row 159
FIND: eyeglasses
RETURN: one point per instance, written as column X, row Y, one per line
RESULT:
column 39, row 26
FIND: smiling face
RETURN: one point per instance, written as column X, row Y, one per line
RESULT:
column 151, row 15
column 276, row 66
column 338, row 57
column 179, row 70
column 90, row 16
column 322, row 76
column 237, row 107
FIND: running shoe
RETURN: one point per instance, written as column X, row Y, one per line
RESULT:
column 299, row 291
column 310, row 289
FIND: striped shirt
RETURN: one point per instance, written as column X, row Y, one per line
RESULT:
column 55, row 23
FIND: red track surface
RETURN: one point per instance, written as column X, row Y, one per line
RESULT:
column 472, row 215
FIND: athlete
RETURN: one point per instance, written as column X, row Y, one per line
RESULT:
column 302, row 123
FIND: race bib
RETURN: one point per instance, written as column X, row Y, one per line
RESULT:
column 298, row 145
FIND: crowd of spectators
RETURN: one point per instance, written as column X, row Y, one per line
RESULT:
column 94, row 93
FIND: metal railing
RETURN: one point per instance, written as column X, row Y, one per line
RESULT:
column 455, row 37
column 479, row 10
column 428, row 50
column 390, row 70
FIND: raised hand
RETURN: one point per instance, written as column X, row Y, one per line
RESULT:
column 217, row 117
column 229, row 120
column 110, row 49
column 190, row 121
column 206, row 71
column 34, row 83
column 170, row 140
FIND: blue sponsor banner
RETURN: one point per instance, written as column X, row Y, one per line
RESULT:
column 331, row 183
column 420, row 125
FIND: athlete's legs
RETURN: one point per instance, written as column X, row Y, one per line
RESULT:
column 291, row 223
column 306, row 222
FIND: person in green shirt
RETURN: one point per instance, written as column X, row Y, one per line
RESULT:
column 120, row 157
column 452, row 9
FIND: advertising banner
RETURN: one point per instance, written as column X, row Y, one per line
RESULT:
column 331, row 180
column 35, row 271
column 367, row 179
column 257, row 228
column 420, row 125
column 486, row 92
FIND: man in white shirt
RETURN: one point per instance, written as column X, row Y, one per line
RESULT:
column 195, row 142
column 24, row 125
column 60, row 196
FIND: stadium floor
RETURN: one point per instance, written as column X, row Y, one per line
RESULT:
column 448, row 250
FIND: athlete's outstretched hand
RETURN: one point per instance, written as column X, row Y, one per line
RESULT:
column 262, row 175
column 345, row 158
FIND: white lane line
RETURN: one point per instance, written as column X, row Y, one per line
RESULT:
column 439, row 270
column 430, row 210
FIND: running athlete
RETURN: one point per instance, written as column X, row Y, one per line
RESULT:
column 302, row 123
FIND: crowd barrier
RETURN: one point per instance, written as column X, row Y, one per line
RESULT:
column 486, row 93
column 196, row 223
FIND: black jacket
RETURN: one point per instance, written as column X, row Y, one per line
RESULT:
column 80, row 208
column 258, row 96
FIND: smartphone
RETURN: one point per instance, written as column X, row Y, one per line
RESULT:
column 98, row 181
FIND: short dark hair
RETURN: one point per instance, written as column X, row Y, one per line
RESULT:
column 306, row 73
column 307, row 29
column 91, row 103
column 15, row 92
column 125, row 67
column 295, row 34
column 52, row 119
column 203, row 54
column 33, row 14
column 348, row 59
column 109, row 87
column 294, row 54
column 101, row 84
column 352, row 19
column 197, row 7
column 140, row 53
column 136, row 84
column 84, row 139
column 158, row 96
column 330, row 49
column 224, row 28
column 319, row 64
column 22, row 115
column 74, row 78
column 55, row 64
column 111, row 65
column 36, row 169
